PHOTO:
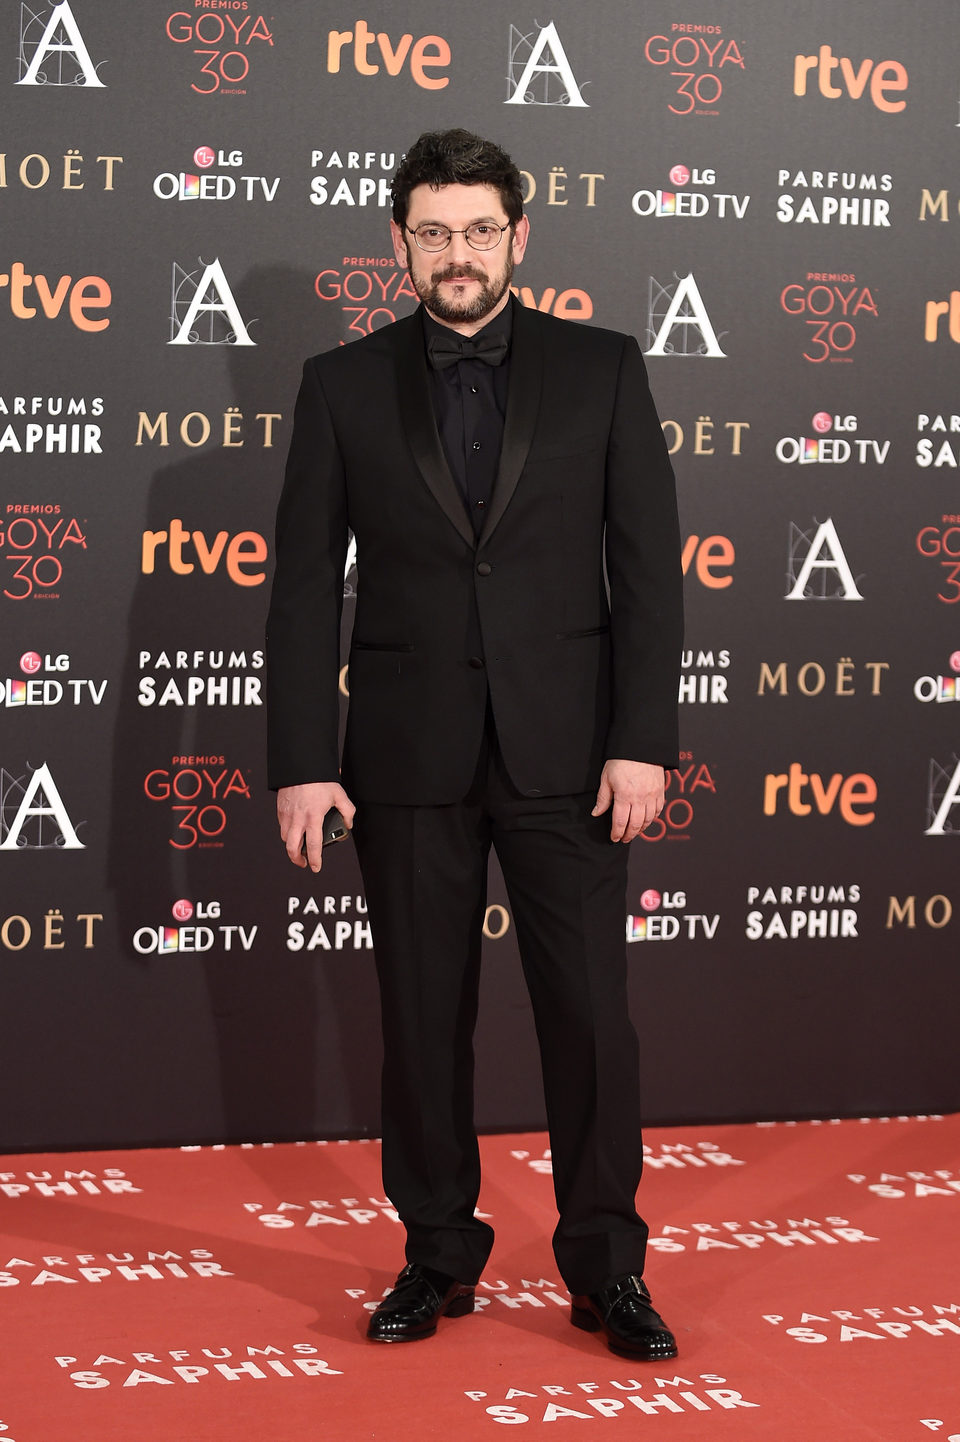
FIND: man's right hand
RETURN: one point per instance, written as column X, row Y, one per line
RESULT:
column 300, row 811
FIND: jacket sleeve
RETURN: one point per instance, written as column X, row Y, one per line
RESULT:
column 303, row 624
column 644, row 574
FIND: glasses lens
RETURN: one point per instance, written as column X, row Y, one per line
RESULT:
column 483, row 236
column 432, row 237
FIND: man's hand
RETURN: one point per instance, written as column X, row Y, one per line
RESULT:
column 636, row 790
column 300, row 811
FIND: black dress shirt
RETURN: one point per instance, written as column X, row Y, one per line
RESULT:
column 469, row 403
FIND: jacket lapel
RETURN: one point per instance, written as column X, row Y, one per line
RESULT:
column 416, row 411
column 523, row 404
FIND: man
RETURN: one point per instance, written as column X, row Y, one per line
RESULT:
column 499, row 469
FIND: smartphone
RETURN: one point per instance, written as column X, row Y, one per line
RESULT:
column 334, row 829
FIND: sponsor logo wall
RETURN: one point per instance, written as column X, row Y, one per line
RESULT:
column 197, row 199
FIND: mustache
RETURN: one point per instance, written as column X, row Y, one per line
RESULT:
column 457, row 272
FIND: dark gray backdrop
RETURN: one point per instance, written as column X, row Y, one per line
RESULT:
column 116, row 1032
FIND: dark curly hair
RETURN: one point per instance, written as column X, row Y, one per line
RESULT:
column 456, row 157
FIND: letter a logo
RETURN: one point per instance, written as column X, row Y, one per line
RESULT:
column 940, row 805
column 41, row 800
column 61, row 41
column 685, row 311
column 534, row 64
column 209, row 296
column 821, row 553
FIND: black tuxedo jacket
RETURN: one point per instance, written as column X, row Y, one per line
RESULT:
column 442, row 618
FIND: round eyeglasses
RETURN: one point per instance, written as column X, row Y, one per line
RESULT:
column 481, row 235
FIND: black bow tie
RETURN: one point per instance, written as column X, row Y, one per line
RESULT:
column 446, row 350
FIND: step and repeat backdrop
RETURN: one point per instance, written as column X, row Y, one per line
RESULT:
column 196, row 197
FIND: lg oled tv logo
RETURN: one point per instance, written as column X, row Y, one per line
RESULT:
column 53, row 51
column 46, row 689
column 221, row 185
column 822, row 449
column 940, row 688
column 198, row 936
column 695, row 203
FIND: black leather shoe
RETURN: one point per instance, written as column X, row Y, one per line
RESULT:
column 420, row 1295
column 624, row 1311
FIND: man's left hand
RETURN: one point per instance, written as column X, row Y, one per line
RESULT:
column 636, row 791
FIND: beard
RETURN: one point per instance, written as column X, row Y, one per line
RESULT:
column 451, row 309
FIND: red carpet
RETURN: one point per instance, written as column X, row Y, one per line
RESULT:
column 810, row 1272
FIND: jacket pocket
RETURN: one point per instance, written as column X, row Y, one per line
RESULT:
column 579, row 635
column 382, row 646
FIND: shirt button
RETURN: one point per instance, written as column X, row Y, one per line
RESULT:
column 474, row 389
column 476, row 445
column 484, row 568
column 481, row 504
column 476, row 662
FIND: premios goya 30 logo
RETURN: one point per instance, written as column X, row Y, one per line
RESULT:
column 702, row 59
column 225, row 41
column 197, row 791
column 833, row 306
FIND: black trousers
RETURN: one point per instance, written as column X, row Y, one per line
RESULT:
column 424, row 871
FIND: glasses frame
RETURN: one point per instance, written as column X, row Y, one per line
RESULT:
column 451, row 233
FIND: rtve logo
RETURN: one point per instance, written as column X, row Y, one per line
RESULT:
column 430, row 52
column 936, row 310
column 90, row 292
column 850, row 794
column 239, row 552
column 882, row 76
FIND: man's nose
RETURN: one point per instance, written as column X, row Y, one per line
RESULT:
column 458, row 251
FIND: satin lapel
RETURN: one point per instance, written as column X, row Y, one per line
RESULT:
column 523, row 404
column 420, row 426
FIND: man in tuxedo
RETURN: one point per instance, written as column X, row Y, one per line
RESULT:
column 513, row 682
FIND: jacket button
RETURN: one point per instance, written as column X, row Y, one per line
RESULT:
column 476, row 662
column 484, row 568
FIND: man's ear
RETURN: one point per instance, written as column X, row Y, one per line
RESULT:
column 521, row 235
column 399, row 245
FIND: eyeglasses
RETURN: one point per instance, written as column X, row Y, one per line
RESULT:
column 481, row 235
